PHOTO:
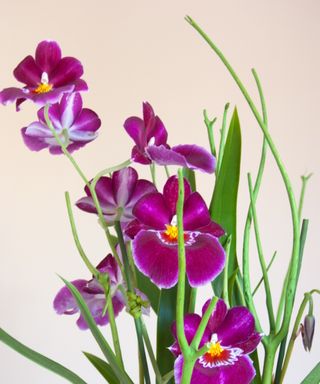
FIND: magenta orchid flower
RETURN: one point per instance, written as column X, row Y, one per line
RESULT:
column 150, row 137
column 76, row 126
column 46, row 77
column 155, row 233
column 230, row 337
column 117, row 195
column 93, row 294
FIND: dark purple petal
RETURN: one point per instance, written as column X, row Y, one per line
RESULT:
column 196, row 157
column 123, row 183
column 148, row 113
column 109, row 211
column 237, row 326
column 159, row 132
column 241, row 372
column 171, row 192
column 152, row 211
column 64, row 303
column 218, row 314
column 205, row 259
column 54, row 117
column 48, row 54
column 250, row 344
column 104, row 191
column 139, row 156
column 109, row 265
column 134, row 227
column 142, row 187
column 165, row 156
column 87, row 121
column 10, row 95
column 195, row 213
column 28, row 72
column 80, row 85
column 213, row 228
column 34, row 143
column 67, row 71
column 136, row 130
column 154, row 259
column 70, row 107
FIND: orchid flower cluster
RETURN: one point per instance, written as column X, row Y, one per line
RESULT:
column 164, row 243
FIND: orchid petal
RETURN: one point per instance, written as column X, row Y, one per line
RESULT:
column 171, row 192
column 218, row 314
column 28, row 72
column 195, row 213
column 48, row 54
column 123, row 183
column 66, row 71
column 196, row 157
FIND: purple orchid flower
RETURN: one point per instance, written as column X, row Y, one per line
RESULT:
column 155, row 233
column 230, row 336
column 46, row 77
column 76, row 126
column 150, row 137
column 117, row 195
column 93, row 294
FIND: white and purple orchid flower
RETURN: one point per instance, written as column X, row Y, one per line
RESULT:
column 93, row 294
column 230, row 337
column 76, row 126
column 47, row 77
column 155, row 233
column 150, row 137
column 117, row 195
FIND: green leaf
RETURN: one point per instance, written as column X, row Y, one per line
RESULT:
column 37, row 358
column 166, row 316
column 313, row 377
column 103, row 367
column 147, row 287
column 223, row 206
column 96, row 333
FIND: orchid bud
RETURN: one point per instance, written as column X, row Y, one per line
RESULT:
column 308, row 332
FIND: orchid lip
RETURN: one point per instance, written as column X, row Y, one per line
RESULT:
column 218, row 355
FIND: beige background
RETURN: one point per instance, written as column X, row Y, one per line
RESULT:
column 144, row 50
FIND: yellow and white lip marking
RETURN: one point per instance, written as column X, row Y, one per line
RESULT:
column 44, row 86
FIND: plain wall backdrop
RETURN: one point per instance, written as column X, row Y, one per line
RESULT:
column 134, row 51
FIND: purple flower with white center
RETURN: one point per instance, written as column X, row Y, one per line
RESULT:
column 150, row 137
column 93, row 294
column 117, row 195
column 47, row 77
column 76, row 126
column 155, row 232
column 230, row 337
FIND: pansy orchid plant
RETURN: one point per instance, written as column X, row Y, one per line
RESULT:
column 166, row 242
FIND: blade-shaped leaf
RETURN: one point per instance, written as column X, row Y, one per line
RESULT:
column 149, row 289
column 223, row 206
column 38, row 358
column 103, row 367
column 96, row 333
column 313, row 377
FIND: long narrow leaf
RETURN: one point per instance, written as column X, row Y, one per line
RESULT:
column 96, row 333
column 38, row 358
column 313, row 377
column 151, row 290
column 103, row 367
column 223, row 207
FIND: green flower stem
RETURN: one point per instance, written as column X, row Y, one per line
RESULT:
column 209, row 124
column 83, row 255
column 182, row 272
column 192, row 301
column 150, row 352
column 302, row 193
column 203, row 323
column 114, row 331
column 167, row 171
column 307, row 298
column 293, row 275
column 153, row 172
column 240, row 289
column 268, row 267
column 137, row 322
column 262, row 259
column 225, row 292
column 222, row 137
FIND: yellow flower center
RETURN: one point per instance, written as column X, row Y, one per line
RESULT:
column 172, row 232
column 43, row 88
column 215, row 350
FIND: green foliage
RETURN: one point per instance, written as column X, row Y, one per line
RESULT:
column 103, row 367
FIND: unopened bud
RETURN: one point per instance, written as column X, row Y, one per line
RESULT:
column 307, row 331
